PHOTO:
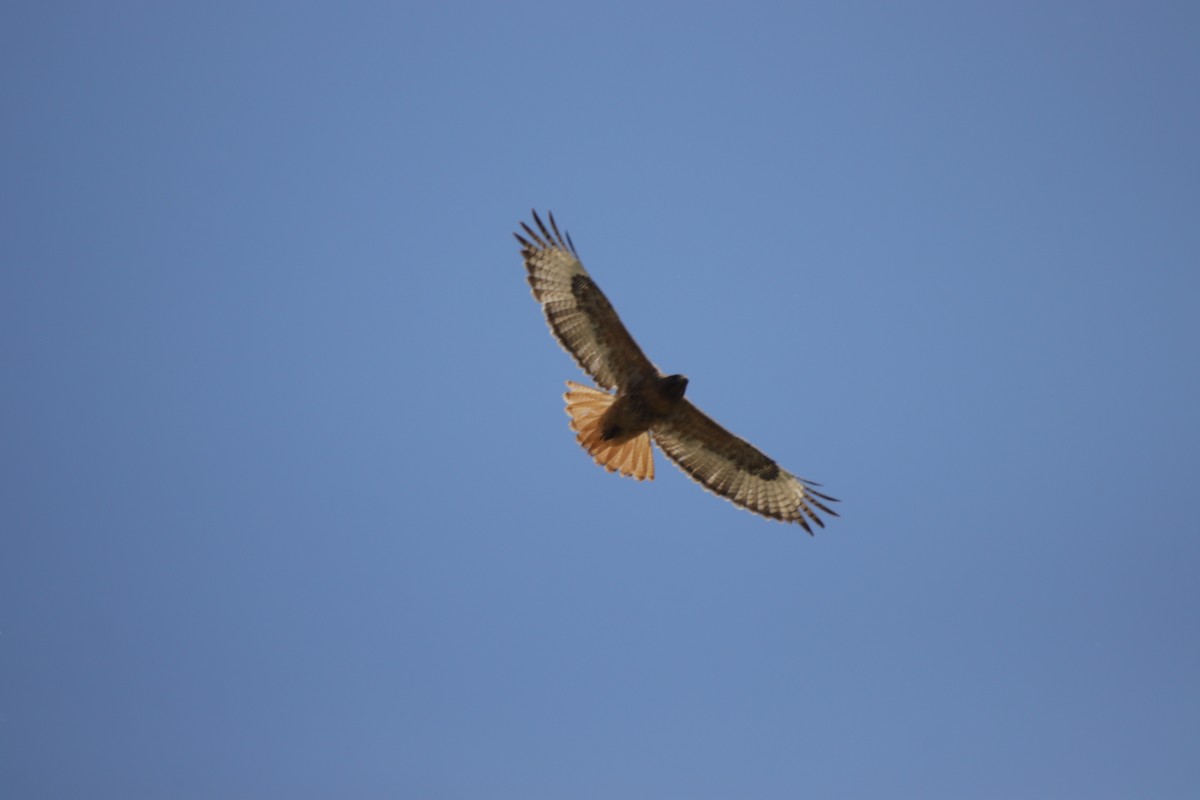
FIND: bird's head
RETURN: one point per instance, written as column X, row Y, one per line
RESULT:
column 674, row 386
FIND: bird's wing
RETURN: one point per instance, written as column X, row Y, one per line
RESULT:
column 579, row 314
column 736, row 470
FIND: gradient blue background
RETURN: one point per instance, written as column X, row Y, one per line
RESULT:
column 290, row 508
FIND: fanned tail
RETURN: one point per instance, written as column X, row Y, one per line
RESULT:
column 631, row 457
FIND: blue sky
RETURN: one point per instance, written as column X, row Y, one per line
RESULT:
column 289, row 501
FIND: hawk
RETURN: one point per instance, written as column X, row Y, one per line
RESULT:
column 615, row 426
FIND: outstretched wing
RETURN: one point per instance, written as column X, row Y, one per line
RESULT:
column 736, row 470
column 579, row 314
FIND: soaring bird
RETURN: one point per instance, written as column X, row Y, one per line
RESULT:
column 636, row 402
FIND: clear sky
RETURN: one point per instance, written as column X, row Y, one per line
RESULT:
column 289, row 504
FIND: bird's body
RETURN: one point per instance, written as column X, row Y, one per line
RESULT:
column 616, row 428
column 637, row 408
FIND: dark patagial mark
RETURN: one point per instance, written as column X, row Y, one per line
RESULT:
column 587, row 293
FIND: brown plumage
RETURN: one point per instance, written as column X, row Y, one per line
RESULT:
column 616, row 428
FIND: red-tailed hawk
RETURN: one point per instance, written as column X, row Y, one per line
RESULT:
column 615, row 428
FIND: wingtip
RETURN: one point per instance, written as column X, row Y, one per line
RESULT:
column 551, row 236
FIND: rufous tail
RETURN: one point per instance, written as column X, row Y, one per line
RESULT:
column 631, row 457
